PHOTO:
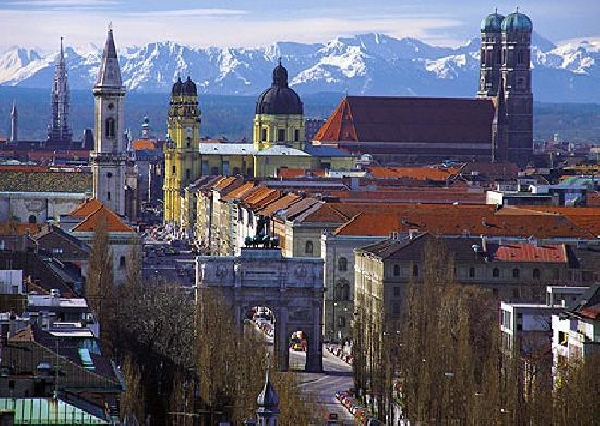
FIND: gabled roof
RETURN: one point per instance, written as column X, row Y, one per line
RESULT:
column 223, row 183
column 298, row 208
column 280, row 204
column 86, row 208
column 239, row 192
column 321, row 213
column 103, row 215
column 409, row 119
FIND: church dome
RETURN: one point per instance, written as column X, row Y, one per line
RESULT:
column 189, row 87
column 492, row 23
column 279, row 98
column 517, row 22
column 177, row 87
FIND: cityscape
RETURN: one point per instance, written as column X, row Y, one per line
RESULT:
column 412, row 256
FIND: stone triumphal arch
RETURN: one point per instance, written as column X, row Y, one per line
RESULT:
column 291, row 287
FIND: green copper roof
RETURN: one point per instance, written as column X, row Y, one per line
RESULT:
column 48, row 411
column 517, row 22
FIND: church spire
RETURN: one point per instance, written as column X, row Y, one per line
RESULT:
column 14, row 116
column 58, row 130
column 110, row 73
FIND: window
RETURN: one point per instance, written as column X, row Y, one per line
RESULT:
column 280, row 135
column 108, row 195
column 188, row 141
column 174, row 170
column 396, row 291
column 515, row 273
column 471, row 272
column 296, row 135
column 122, row 262
column 308, row 247
column 263, row 135
column 343, row 264
column 346, row 291
column 396, row 270
column 109, row 128
column 537, row 274
column 496, row 272
column 415, row 270
column 32, row 219
column 520, row 57
column 515, row 292
column 187, row 174
column 341, row 321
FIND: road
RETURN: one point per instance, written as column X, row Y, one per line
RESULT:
column 337, row 375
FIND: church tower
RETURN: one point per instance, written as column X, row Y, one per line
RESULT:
column 108, row 156
column 279, row 118
column 505, row 77
column 58, row 130
column 182, row 160
column 14, row 121
column 491, row 55
column 516, row 78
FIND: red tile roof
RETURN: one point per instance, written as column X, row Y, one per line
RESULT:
column 15, row 228
column 86, row 208
column 405, row 119
column 239, row 192
column 531, row 253
column 448, row 219
column 144, row 144
column 421, row 173
column 104, row 214
column 280, row 204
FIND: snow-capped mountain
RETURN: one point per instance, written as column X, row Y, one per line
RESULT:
column 363, row 64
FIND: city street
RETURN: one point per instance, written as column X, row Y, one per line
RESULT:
column 337, row 375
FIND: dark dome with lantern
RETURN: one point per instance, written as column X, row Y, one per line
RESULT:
column 492, row 23
column 517, row 22
column 279, row 98
column 187, row 88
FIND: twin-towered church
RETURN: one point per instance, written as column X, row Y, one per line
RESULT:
column 495, row 126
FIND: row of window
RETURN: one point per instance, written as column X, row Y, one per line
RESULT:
column 516, row 273
column 280, row 135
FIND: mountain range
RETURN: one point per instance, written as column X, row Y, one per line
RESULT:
column 369, row 64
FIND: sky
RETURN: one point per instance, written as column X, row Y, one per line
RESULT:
column 39, row 24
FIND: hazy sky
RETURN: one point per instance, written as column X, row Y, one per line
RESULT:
column 40, row 23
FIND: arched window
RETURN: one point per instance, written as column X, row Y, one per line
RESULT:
column 109, row 127
column 471, row 272
column 537, row 274
column 308, row 247
column 342, row 264
column 32, row 219
column 415, row 270
column 396, row 270
column 496, row 272
column 515, row 273
column 346, row 291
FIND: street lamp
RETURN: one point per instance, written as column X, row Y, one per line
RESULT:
column 333, row 318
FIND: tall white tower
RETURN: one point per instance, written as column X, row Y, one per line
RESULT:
column 14, row 128
column 108, row 156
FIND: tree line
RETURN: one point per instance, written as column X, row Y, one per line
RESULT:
column 443, row 362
